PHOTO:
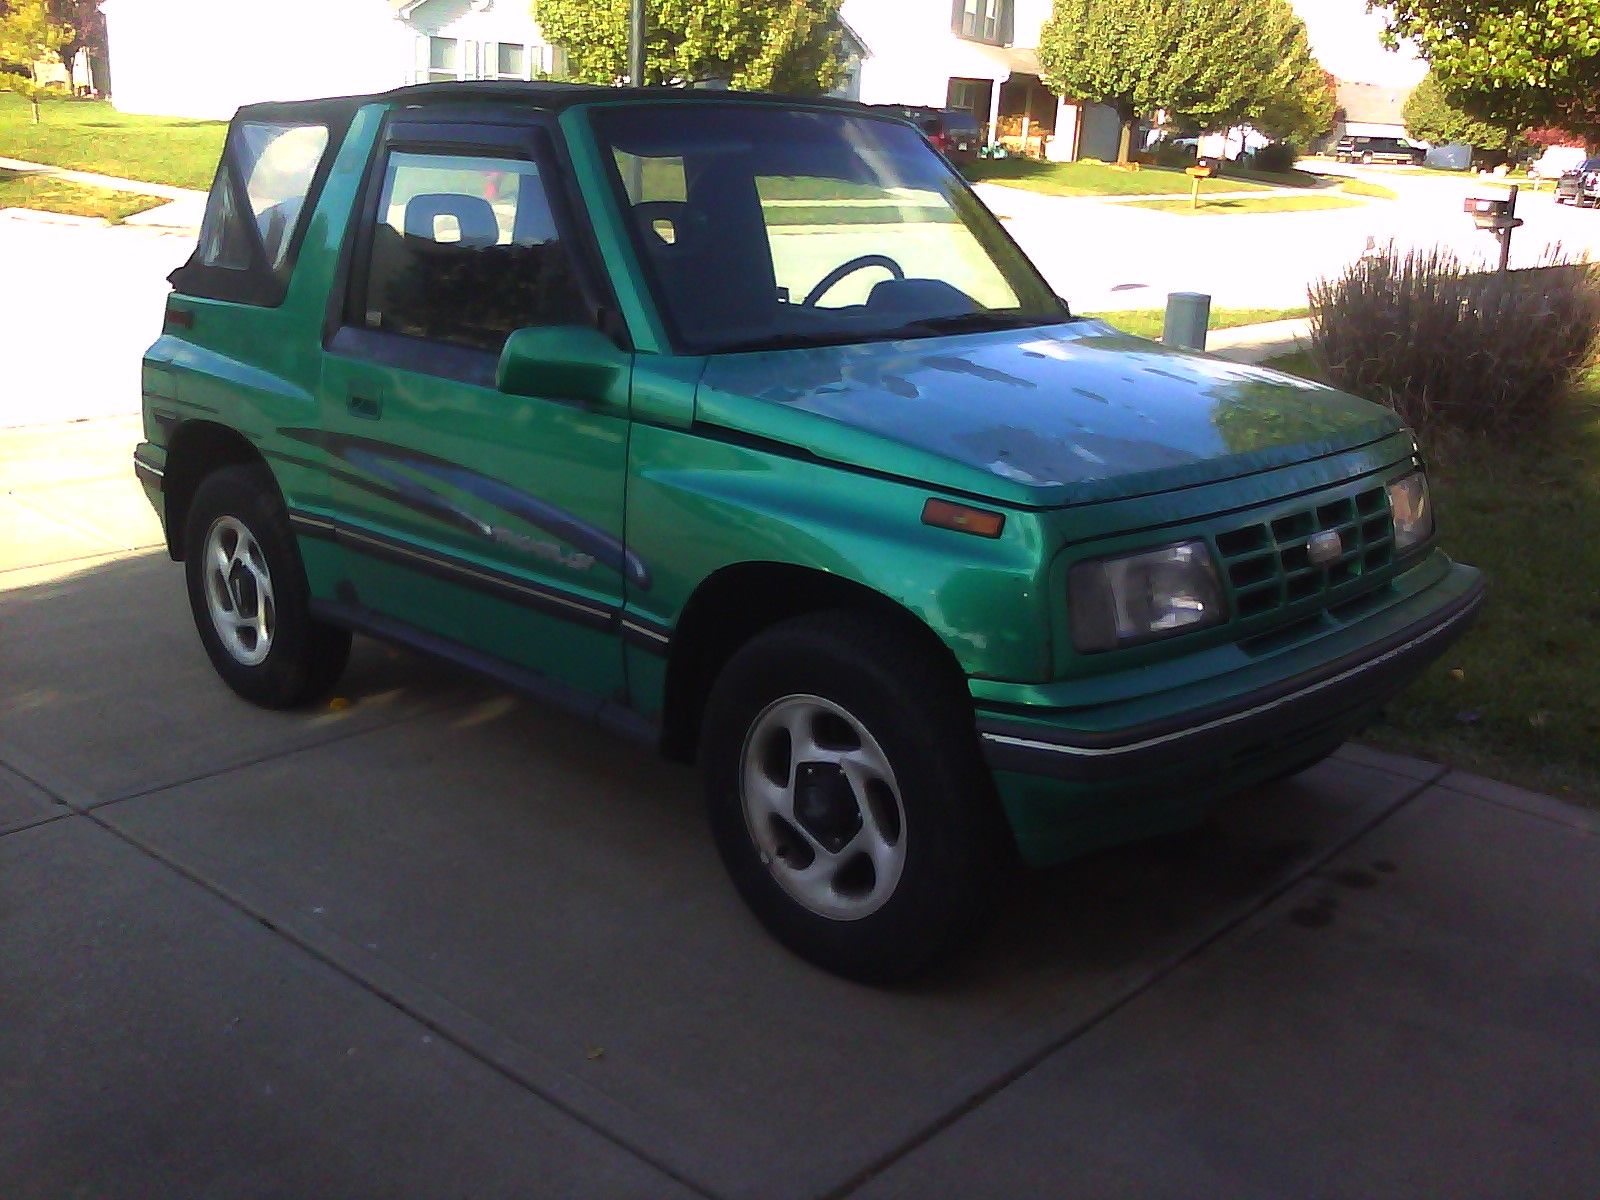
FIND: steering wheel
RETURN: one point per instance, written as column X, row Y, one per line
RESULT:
column 860, row 263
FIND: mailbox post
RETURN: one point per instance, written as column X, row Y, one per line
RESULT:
column 1499, row 217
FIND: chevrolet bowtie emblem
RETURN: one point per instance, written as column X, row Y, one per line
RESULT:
column 1325, row 547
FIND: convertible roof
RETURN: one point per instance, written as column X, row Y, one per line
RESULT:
column 540, row 94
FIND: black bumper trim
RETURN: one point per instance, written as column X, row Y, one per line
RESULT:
column 1343, row 687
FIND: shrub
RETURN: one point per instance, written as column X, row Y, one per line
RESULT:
column 1448, row 346
column 1274, row 156
column 1167, row 153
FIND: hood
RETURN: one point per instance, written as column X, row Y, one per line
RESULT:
column 1063, row 414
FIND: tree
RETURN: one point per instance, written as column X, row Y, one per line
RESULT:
column 1213, row 63
column 87, row 26
column 28, row 35
column 1431, row 117
column 770, row 45
column 1515, row 63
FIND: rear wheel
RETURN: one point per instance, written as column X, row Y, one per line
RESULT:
column 847, row 796
column 248, row 593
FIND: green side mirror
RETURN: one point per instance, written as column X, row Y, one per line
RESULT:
column 563, row 362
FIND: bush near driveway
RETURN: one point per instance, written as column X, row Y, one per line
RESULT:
column 1452, row 347
column 90, row 135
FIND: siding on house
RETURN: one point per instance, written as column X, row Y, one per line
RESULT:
column 205, row 58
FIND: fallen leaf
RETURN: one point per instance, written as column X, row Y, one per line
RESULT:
column 338, row 704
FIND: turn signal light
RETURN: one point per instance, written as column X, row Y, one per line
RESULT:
column 945, row 515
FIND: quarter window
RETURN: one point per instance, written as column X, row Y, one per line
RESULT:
column 465, row 249
column 276, row 164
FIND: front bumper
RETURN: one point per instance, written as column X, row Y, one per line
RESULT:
column 1099, row 765
column 1362, row 678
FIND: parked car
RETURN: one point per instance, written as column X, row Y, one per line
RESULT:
column 1378, row 150
column 954, row 132
column 924, row 571
column 1555, row 161
column 1580, row 185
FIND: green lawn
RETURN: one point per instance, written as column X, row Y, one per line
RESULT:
column 1365, row 187
column 90, row 135
column 1251, row 204
column 21, row 190
column 1091, row 178
column 1519, row 698
column 1147, row 322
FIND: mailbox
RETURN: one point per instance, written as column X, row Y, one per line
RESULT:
column 1202, row 171
column 1490, row 214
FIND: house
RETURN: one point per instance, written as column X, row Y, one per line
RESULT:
column 204, row 58
column 980, row 55
column 1369, row 110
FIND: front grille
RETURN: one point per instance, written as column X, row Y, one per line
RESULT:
column 1268, row 565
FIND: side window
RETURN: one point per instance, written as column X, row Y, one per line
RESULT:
column 276, row 164
column 464, row 250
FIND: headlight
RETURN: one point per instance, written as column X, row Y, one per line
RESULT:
column 1119, row 601
column 1413, row 513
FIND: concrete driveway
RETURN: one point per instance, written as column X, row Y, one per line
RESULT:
column 429, row 940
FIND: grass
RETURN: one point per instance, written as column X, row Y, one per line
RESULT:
column 1244, row 205
column 1088, row 177
column 90, row 135
column 1365, row 187
column 1147, row 322
column 19, row 189
column 1519, row 697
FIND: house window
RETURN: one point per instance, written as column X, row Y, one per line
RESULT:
column 444, row 59
column 511, row 61
column 982, row 20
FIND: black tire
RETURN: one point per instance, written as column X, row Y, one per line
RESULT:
column 952, row 840
column 301, row 658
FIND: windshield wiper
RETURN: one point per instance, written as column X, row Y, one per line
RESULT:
column 971, row 322
column 789, row 341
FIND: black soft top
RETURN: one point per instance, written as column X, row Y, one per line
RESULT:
column 548, row 95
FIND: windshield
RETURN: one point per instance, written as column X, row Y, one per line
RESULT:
column 764, row 227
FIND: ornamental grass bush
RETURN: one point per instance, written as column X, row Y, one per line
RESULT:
column 1448, row 346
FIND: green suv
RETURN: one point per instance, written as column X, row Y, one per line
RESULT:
column 740, row 425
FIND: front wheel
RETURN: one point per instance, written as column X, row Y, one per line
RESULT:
column 248, row 593
column 848, row 798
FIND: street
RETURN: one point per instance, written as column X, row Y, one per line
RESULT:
column 1103, row 255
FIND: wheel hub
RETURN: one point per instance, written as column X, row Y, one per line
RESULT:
column 825, row 804
column 242, row 587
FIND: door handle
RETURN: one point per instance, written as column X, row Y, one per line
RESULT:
column 370, row 407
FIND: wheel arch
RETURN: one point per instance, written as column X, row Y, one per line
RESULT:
column 738, row 602
column 196, row 450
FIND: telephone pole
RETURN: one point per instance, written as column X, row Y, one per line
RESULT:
column 636, row 43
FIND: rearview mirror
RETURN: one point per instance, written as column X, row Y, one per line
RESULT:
column 563, row 362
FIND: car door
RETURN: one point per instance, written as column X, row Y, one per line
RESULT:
column 478, row 524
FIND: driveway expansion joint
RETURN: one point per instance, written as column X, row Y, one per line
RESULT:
column 1156, row 976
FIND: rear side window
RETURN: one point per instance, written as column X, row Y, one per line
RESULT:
column 465, row 249
column 255, row 217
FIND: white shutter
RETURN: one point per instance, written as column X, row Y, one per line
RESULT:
column 419, row 67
